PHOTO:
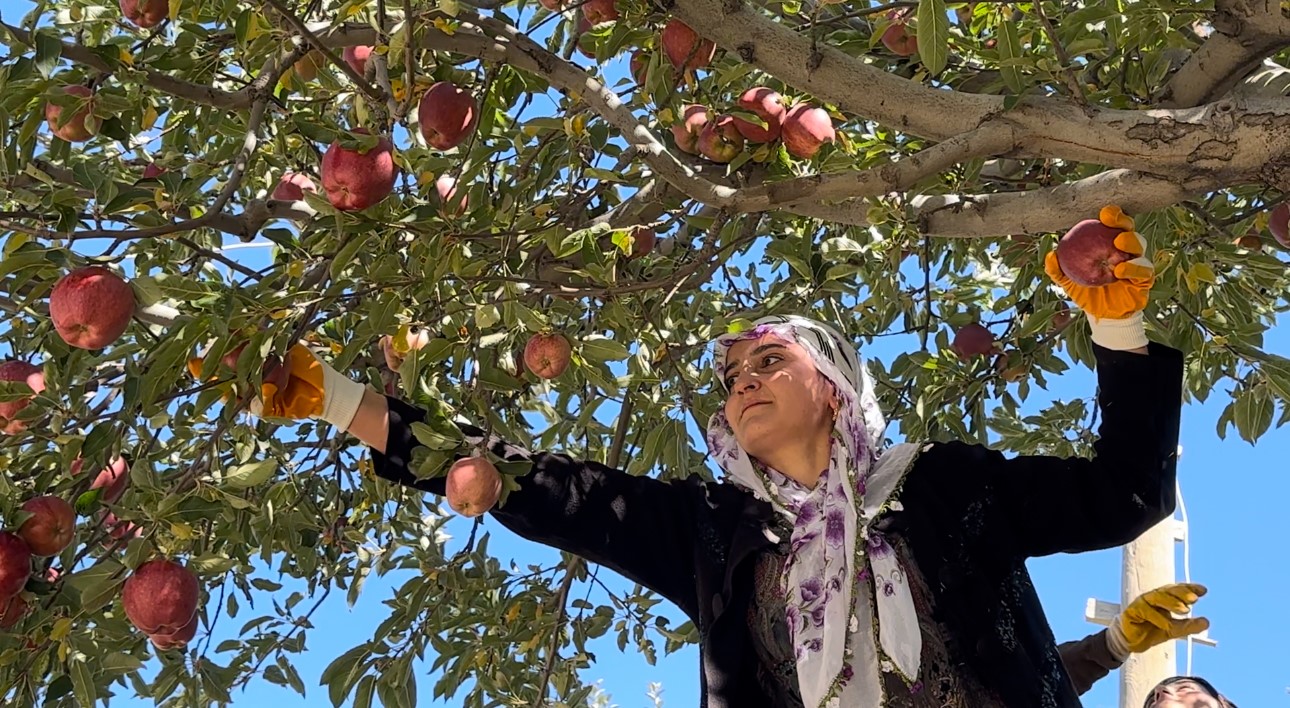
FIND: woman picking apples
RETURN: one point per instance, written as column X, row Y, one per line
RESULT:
column 828, row 569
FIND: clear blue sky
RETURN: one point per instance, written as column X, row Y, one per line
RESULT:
column 1234, row 497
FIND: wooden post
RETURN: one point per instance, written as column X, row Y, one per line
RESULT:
column 1148, row 563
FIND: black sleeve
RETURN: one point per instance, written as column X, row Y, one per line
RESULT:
column 1053, row 505
column 1088, row 660
column 640, row 527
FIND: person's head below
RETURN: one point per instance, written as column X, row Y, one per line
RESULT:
column 787, row 380
column 1186, row 692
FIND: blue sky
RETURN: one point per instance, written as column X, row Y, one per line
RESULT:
column 1234, row 498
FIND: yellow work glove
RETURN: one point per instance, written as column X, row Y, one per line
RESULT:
column 1114, row 310
column 1149, row 619
column 309, row 388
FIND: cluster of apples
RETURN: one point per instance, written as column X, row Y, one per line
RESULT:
column 354, row 179
column 804, row 128
column 90, row 308
column 49, row 529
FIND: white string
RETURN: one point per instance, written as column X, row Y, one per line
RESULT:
column 1182, row 508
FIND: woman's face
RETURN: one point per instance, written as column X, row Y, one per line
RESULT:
column 1182, row 694
column 777, row 398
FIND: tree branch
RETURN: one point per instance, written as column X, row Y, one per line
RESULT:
column 1245, row 33
column 299, row 25
column 1209, row 137
column 1052, row 209
column 991, row 138
column 197, row 93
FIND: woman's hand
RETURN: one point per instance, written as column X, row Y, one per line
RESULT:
column 1149, row 620
column 1114, row 310
column 303, row 386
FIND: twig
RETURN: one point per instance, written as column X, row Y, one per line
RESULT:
column 1068, row 73
column 562, row 596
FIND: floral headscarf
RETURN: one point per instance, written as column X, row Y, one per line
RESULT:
column 849, row 609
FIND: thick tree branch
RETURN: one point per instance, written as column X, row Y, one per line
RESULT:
column 1049, row 210
column 1210, row 137
column 249, row 141
column 197, row 93
column 1245, row 33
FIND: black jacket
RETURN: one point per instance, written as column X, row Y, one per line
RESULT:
column 971, row 517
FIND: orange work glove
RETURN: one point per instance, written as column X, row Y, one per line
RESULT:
column 304, row 386
column 1114, row 310
column 1149, row 619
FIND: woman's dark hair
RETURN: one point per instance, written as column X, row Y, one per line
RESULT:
column 1209, row 688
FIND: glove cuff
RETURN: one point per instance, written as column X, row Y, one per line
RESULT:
column 341, row 398
column 1116, row 642
column 1119, row 335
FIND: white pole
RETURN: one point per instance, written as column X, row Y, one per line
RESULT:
column 1148, row 563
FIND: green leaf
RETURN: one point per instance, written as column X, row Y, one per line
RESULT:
column 83, row 684
column 249, row 474
column 933, row 35
column 48, row 50
column 97, row 585
column 602, row 349
column 366, row 690
column 1009, row 45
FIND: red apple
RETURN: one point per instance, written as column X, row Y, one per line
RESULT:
column 292, row 187
column 1279, row 223
column 643, row 240
column 153, row 171
column 15, row 564
column 119, row 529
column 687, row 130
column 416, row 340
column 74, row 130
column 639, row 66
column 806, row 128
column 178, row 638
column 113, row 480
column 12, row 610
column 473, row 486
column 446, row 188
column 161, row 597
column 145, row 13
column 356, row 57
column 897, row 39
column 972, row 340
column 34, row 377
column 720, row 140
column 598, row 11
column 767, row 105
column 547, row 355
column 91, row 307
column 553, row 5
column 1087, row 253
column 685, row 48
column 51, row 526
column 447, row 115
column 355, row 180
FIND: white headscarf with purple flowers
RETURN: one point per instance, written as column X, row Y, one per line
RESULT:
column 849, row 609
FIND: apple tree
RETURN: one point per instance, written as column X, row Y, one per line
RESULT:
column 429, row 185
